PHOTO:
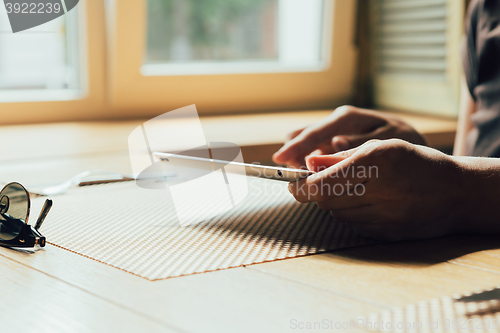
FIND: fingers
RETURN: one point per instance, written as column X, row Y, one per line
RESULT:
column 318, row 163
column 297, row 148
column 298, row 161
column 339, row 178
column 345, row 142
column 294, row 134
column 345, row 120
column 338, row 174
column 341, row 142
column 310, row 138
column 282, row 156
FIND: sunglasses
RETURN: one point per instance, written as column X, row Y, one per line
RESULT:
column 14, row 212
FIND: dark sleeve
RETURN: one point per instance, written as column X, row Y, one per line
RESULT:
column 481, row 57
column 469, row 47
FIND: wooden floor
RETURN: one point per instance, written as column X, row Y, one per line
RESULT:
column 55, row 290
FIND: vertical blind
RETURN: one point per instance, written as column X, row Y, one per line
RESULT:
column 416, row 44
column 412, row 37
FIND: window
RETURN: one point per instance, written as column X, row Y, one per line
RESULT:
column 56, row 71
column 417, row 55
column 41, row 63
column 113, row 59
column 234, row 36
column 230, row 55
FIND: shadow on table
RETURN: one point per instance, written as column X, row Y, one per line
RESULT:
column 320, row 231
column 427, row 251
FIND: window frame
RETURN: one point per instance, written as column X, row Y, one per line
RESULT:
column 112, row 41
column 49, row 106
column 134, row 94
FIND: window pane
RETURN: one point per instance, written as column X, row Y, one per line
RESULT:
column 183, row 30
column 43, row 58
column 271, row 33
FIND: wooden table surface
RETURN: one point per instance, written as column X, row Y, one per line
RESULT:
column 55, row 290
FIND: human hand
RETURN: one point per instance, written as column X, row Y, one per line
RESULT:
column 347, row 127
column 389, row 190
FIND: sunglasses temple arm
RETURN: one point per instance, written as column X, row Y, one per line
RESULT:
column 43, row 214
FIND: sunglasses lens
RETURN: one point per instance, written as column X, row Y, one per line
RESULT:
column 14, row 209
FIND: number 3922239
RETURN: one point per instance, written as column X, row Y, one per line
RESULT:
column 33, row 8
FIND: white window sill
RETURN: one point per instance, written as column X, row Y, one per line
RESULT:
column 236, row 67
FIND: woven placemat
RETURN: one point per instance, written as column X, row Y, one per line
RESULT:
column 136, row 230
column 444, row 314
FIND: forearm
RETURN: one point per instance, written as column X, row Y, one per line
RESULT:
column 480, row 208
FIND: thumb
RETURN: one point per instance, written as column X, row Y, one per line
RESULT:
column 345, row 142
column 318, row 163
